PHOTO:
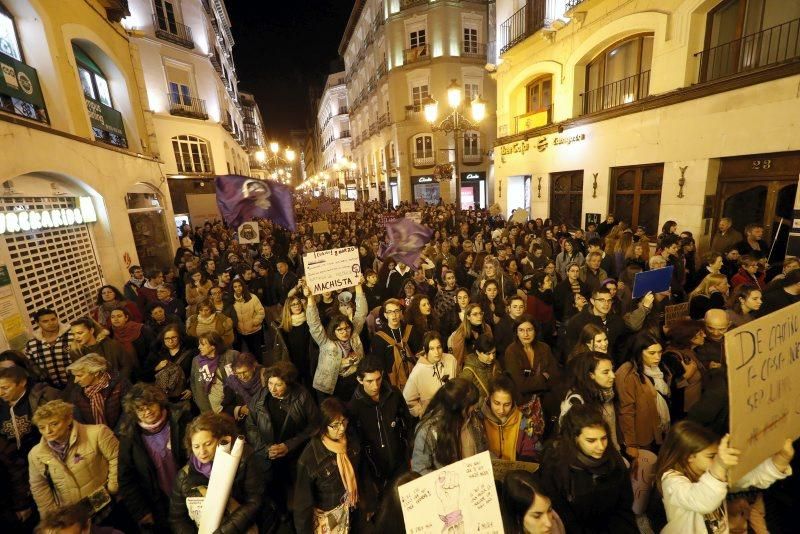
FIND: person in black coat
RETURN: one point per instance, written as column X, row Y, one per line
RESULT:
column 150, row 454
column 597, row 312
column 203, row 435
column 280, row 420
column 586, row 478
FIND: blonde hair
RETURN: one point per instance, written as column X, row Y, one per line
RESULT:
column 91, row 363
column 711, row 280
column 55, row 409
column 286, row 314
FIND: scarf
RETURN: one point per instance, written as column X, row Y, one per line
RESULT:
column 104, row 311
column 200, row 467
column 157, row 426
column 208, row 370
column 59, row 448
column 662, row 389
column 298, row 319
column 606, row 395
column 206, row 320
column 246, row 390
column 127, row 334
column 96, row 399
column 339, row 448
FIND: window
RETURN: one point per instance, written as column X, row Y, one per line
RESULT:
column 418, row 94
column 107, row 123
column 471, row 90
column 636, row 195
column 539, row 94
column 180, row 93
column 620, row 75
column 192, row 155
column 471, row 145
column 566, row 198
column 470, row 40
column 9, row 44
column 417, row 38
column 93, row 80
column 165, row 15
column 423, row 149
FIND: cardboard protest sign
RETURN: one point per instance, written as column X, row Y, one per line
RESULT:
column 676, row 312
column 327, row 270
column 460, row 497
column 248, row 233
column 415, row 216
column 656, row 280
column 502, row 467
column 763, row 358
column 347, row 206
column 321, row 227
column 520, row 216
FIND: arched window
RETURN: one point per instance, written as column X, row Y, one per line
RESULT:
column 423, row 150
column 9, row 43
column 106, row 121
column 619, row 75
column 192, row 155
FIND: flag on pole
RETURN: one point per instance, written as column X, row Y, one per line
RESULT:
column 240, row 199
column 406, row 241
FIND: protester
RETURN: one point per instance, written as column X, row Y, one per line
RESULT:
column 242, row 384
column 433, row 369
column 506, row 430
column 208, row 320
column 210, row 369
column 108, row 299
column 249, row 316
column 526, row 509
column 744, row 304
column 170, row 363
column 50, row 346
column 97, row 392
column 481, row 366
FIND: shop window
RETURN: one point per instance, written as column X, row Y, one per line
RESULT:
column 9, row 43
column 146, row 215
column 566, row 197
column 192, row 155
column 636, row 195
column 620, row 75
column 107, row 124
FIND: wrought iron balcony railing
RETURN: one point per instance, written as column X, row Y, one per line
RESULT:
column 187, row 106
column 617, row 93
column 173, row 31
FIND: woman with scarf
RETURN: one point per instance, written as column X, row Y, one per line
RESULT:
column 242, row 385
column 72, row 461
column 97, row 392
column 507, row 436
column 209, row 372
column 481, row 365
column 462, row 341
column 297, row 338
column 150, row 454
column 135, row 338
column 586, row 479
column 249, row 318
column 432, row 370
column 208, row 319
column 196, row 291
column 110, row 298
column 340, row 347
column 246, row 505
column 326, row 488
column 170, row 362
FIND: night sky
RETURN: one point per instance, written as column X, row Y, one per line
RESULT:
column 283, row 48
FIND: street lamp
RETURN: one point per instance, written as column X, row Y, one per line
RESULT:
column 455, row 121
column 278, row 166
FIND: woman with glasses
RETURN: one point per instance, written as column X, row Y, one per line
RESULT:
column 432, row 370
column 340, row 347
column 171, row 362
column 326, row 490
column 462, row 341
column 210, row 368
column 242, row 385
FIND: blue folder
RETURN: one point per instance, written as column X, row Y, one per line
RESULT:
column 657, row 280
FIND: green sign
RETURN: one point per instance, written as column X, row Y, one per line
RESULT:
column 18, row 80
column 105, row 118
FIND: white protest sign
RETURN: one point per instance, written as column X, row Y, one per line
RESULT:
column 327, row 270
column 347, row 206
column 415, row 216
column 460, row 497
column 763, row 358
column 373, row 194
column 248, row 233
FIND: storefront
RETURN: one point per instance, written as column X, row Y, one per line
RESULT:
column 426, row 188
column 146, row 214
column 473, row 190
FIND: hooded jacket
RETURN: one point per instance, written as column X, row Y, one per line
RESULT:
column 480, row 374
column 502, row 437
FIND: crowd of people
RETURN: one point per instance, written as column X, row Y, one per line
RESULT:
column 521, row 339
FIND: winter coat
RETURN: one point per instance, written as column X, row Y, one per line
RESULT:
column 118, row 358
column 423, row 459
column 330, row 354
column 502, row 437
column 199, row 392
column 480, row 374
column 457, row 343
column 743, row 277
column 117, row 389
column 248, row 488
column 90, row 464
column 250, row 315
column 301, row 410
column 562, row 260
column 138, row 480
column 637, row 414
column 222, row 325
column 531, row 381
column 425, row 380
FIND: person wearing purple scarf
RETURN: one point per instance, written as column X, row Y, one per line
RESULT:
column 151, row 452
column 241, row 385
column 210, row 369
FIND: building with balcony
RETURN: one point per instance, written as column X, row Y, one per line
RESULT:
column 650, row 110
column 203, row 125
column 397, row 53
column 333, row 119
column 79, row 158
column 255, row 141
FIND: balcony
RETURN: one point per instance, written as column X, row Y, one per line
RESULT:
column 373, row 128
column 414, row 112
column 423, row 159
column 533, row 119
column 187, row 106
column 216, row 62
column 227, row 124
column 207, row 7
column 344, row 134
column 342, row 110
column 475, row 50
column 416, row 53
column 768, row 47
column 617, row 93
column 475, row 157
column 570, row 4
column 382, row 70
column 29, row 100
column 384, row 121
column 173, row 31
column 522, row 24
column 408, row 4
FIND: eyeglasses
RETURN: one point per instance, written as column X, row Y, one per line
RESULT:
column 170, row 338
column 338, row 425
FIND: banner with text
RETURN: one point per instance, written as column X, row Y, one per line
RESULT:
column 328, row 270
column 763, row 359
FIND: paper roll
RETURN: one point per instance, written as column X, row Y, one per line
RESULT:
column 226, row 462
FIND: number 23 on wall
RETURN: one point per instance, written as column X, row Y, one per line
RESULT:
column 762, row 164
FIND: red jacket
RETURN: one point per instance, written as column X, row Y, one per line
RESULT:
column 743, row 277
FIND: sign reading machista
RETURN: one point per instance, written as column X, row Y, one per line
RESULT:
column 25, row 220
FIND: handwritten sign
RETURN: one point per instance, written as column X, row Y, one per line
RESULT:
column 387, row 219
column 676, row 312
column 763, row 382
column 460, row 497
column 321, row 227
column 328, row 270
column 415, row 216
column 347, row 206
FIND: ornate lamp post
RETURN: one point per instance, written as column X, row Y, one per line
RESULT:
column 278, row 166
column 455, row 122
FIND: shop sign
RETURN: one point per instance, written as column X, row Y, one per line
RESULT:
column 473, row 176
column 422, row 179
column 520, row 147
column 105, row 118
column 543, row 143
column 25, row 220
column 20, row 81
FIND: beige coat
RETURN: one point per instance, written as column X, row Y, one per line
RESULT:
column 91, row 463
column 250, row 315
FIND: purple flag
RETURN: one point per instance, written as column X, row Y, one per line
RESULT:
column 241, row 199
column 406, row 241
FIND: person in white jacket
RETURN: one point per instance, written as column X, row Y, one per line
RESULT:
column 432, row 370
column 693, row 469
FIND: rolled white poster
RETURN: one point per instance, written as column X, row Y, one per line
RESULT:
column 226, row 462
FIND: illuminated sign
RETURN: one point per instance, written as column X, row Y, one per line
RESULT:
column 26, row 220
column 471, row 176
column 516, row 148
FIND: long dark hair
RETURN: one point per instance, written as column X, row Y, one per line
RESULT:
column 118, row 296
column 447, row 415
column 566, row 449
column 578, row 370
column 245, row 290
column 640, row 343
column 520, row 490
